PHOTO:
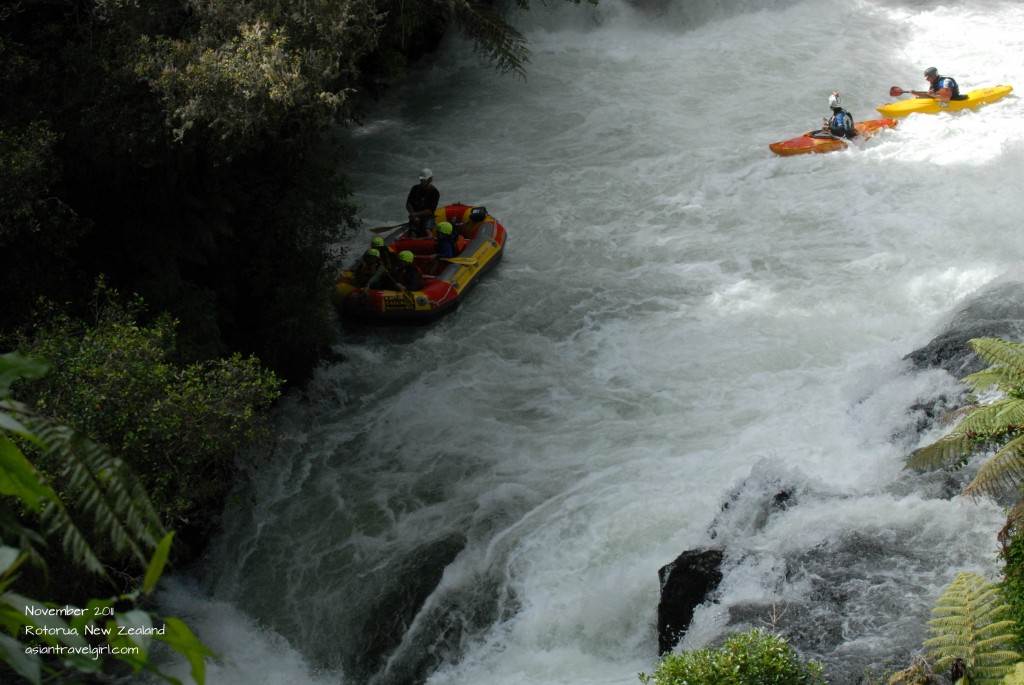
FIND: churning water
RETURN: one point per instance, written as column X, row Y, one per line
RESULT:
column 681, row 319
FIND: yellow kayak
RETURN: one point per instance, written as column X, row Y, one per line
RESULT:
column 975, row 98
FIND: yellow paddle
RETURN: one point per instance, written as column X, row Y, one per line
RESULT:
column 464, row 261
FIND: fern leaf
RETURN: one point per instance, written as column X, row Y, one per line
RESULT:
column 967, row 624
column 57, row 522
column 942, row 452
column 1002, row 472
column 101, row 486
column 1016, row 677
column 492, row 36
column 998, row 376
column 997, row 351
column 993, row 420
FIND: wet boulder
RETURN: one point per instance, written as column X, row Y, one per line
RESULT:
column 685, row 584
column 996, row 311
column 409, row 583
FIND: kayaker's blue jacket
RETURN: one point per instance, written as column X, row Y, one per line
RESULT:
column 841, row 124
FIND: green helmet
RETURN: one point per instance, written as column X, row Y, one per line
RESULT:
column 406, row 256
column 444, row 228
column 373, row 253
column 377, row 241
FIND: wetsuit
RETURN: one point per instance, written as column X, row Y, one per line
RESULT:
column 409, row 276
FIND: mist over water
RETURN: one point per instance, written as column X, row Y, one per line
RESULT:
column 681, row 319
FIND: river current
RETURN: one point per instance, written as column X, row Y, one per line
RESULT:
column 681, row 320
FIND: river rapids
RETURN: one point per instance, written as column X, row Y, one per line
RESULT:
column 681, row 320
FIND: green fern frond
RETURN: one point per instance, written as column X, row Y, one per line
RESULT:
column 998, row 376
column 1002, row 472
column 100, row 486
column 1016, row 677
column 942, row 452
column 985, row 423
column 993, row 420
column 967, row 623
column 492, row 36
column 997, row 351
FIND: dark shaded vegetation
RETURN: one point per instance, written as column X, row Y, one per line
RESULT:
column 182, row 153
column 183, row 150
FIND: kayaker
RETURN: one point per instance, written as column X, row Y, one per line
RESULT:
column 942, row 88
column 421, row 204
column 840, row 124
column 408, row 275
column 446, row 240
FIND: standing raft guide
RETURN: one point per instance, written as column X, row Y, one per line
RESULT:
column 423, row 268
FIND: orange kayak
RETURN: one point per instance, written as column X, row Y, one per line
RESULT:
column 807, row 143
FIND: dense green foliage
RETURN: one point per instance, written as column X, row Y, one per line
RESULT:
column 36, row 645
column 183, row 149
column 997, row 424
column 178, row 426
column 756, row 657
column 1013, row 577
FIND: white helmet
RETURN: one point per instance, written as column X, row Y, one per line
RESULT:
column 833, row 99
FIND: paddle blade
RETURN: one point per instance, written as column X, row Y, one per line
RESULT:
column 464, row 261
column 896, row 91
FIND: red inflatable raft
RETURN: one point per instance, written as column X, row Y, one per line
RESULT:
column 445, row 282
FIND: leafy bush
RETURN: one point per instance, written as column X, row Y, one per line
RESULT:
column 187, row 150
column 35, row 639
column 756, row 657
column 178, row 426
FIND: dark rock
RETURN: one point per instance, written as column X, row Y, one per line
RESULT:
column 685, row 584
column 410, row 583
column 457, row 616
column 997, row 311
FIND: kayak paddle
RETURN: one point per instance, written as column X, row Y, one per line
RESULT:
column 384, row 229
column 896, row 91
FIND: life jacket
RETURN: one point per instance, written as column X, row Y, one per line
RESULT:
column 409, row 276
column 446, row 245
column 365, row 270
column 947, row 82
column 841, row 124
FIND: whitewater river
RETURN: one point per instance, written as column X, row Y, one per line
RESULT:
column 681, row 319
